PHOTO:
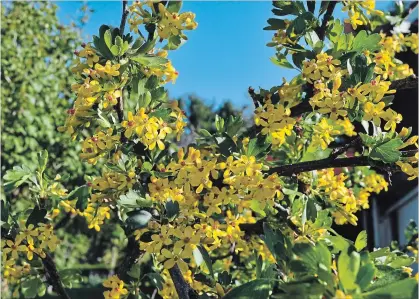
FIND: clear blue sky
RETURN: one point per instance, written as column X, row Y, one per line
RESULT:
column 225, row 55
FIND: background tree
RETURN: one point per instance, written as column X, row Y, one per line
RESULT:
column 36, row 86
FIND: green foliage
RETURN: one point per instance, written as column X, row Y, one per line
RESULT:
column 36, row 80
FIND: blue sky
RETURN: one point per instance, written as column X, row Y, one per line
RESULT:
column 225, row 55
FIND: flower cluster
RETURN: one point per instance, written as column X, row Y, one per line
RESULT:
column 357, row 9
column 117, row 288
column 168, row 23
column 30, row 240
column 346, row 202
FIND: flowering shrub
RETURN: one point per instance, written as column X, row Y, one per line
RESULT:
column 241, row 213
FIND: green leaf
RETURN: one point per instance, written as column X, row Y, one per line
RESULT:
column 173, row 42
column 174, row 6
column 133, row 199
column 281, row 60
column 37, row 216
column 335, row 31
column 275, row 24
column 386, row 275
column 255, row 207
column 16, row 177
column 115, row 50
column 258, row 288
column 82, row 194
column 137, row 219
column 5, row 206
column 152, row 82
column 402, row 261
column 224, row 278
column 257, row 147
column 30, row 287
column 348, row 267
column 43, row 160
column 388, row 151
column 156, row 279
column 403, row 289
column 259, row 264
column 207, row 259
column 364, row 41
column 150, row 60
column 172, row 209
column 107, row 37
column 361, row 241
column 135, row 271
column 311, row 38
column 365, row 275
column 219, row 123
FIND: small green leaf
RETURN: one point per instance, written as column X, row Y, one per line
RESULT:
column 137, row 219
column 255, row 207
column 82, row 194
column 133, row 199
column 403, row 289
column 364, row 41
column 361, row 241
column 30, row 287
column 258, row 288
column 150, row 60
column 135, row 271
column 172, row 209
column 174, row 6
column 281, row 60
column 108, row 38
column 37, row 216
column 388, row 151
column 207, row 259
column 365, row 275
column 348, row 267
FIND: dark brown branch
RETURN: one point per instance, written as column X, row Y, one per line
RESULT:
column 407, row 83
column 342, row 149
column 183, row 289
column 321, row 32
column 133, row 254
column 53, row 277
column 291, row 169
column 124, row 17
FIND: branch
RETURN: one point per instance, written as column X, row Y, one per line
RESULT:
column 133, row 254
column 407, row 83
column 53, row 277
column 321, row 32
column 124, row 17
column 183, row 289
column 291, row 169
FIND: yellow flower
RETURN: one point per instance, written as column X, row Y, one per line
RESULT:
column 373, row 112
column 28, row 233
column 89, row 53
column 354, row 19
column 173, row 258
column 14, row 248
column 117, row 288
column 333, row 106
column 107, row 69
column 188, row 240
